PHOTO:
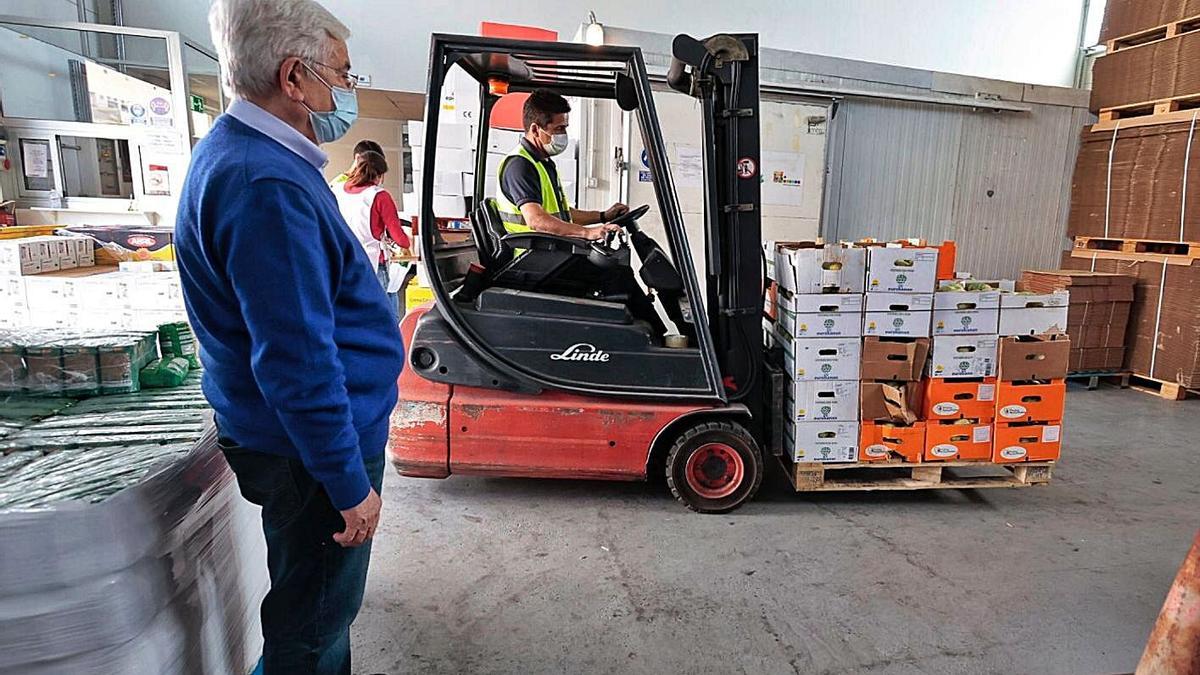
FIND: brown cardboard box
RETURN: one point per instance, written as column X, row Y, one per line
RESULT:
column 895, row 402
column 898, row 359
column 1164, row 329
column 1034, row 357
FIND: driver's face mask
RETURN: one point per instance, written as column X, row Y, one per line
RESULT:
column 556, row 144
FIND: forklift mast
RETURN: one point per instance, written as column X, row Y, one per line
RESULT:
column 722, row 73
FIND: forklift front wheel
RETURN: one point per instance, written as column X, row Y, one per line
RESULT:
column 714, row 467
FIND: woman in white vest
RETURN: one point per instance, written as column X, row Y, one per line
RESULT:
column 371, row 213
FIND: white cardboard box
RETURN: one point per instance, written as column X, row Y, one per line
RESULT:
column 831, row 401
column 1034, row 314
column 832, row 268
column 822, row 441
column 829, row 315
column 898, row 314
column 963, row 356
column 812, row 359
column 895, row 269
column 20, row 256
column 503, row 141
column 966, row 313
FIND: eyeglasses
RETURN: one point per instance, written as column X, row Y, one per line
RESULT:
column 348, row 78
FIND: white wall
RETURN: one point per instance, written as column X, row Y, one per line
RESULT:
column 1020, row 40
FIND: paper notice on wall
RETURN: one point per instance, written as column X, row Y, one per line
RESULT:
column 164, row 141
column 35, row 159
column 783, row 178
column 158, row 179
column 688, row 168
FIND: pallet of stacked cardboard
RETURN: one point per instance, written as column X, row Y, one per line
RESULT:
column 1135, row 196
column 1097, row 318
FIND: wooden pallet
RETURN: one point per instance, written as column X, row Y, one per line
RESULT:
column 1149, row 113
column 1150, row 35
column 1117, row 377
column 1181, row 252
column 874, row 476
column 1170, row 391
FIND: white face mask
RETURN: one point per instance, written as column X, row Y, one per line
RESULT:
column 558, row 143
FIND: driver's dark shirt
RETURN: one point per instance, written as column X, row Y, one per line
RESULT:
column 520, row 182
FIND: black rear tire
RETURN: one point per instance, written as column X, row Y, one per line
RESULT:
column 714, row 467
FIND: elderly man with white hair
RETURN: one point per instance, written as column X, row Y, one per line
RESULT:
column 300, row 350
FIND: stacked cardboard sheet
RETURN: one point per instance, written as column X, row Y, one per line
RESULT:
column 1098, row 314
column 1164, row 332
column 1142, row 195
column 1147, row 72
column 1125, row 17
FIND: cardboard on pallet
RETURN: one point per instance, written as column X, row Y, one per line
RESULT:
column 1125, row 17
column 892, row 402
column 880, row 442
column 1027, row 442
column 1157, row 70
column 1146, row 200
column 897, row 359
column 1097, row 318
column 1164, row 331
column 1034, row 357
column 959, row 399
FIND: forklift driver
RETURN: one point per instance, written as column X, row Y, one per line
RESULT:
column 530, row 198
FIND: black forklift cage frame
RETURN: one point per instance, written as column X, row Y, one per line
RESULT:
column 524, row 66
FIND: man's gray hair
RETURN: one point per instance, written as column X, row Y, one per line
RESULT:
column 254, row 36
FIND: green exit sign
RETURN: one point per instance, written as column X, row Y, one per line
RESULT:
column 196, row 103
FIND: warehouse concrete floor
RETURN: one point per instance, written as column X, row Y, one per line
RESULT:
column 474, row 575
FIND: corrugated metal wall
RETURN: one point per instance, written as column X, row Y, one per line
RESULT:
column 998, row 183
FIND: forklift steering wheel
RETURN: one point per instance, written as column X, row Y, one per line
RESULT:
column 630, row 217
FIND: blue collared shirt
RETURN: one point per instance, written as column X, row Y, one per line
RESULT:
column 279, row 131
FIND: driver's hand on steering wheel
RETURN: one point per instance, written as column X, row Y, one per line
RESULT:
column 599, row 232
column 615, row 211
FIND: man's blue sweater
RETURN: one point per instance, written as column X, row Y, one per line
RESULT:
column 299, row 347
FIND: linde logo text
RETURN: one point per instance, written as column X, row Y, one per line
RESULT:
column 581, row 351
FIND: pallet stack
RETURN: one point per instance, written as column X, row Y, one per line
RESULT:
column 1135, row 202
column 970, row 375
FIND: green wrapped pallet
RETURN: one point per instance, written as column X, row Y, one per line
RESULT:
column 164, row 373
column 176, row 340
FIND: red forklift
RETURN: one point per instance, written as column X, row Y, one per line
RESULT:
column 517, row 369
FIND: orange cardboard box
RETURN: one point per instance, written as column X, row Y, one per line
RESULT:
column 958, row 399
column 945, row 441
column 1027, row 442
column 883, row 442
column 1030, row 402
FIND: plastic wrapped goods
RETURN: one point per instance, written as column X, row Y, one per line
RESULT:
column 128, row 548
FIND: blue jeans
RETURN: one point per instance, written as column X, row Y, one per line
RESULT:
column 381, row 273
column 316, row 585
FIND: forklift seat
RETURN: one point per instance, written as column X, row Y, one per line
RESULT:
column 488, row 230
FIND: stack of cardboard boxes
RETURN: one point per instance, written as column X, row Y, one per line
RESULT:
column 53, row 283
column 819, row 324
column 22, row 260
column 1134, row 177
column 454, row 175
column 927, row 380
column 1097, row 317
column 896, row 326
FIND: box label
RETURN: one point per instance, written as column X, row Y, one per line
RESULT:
column 876, row 450
column 987, row 392
column 1013, row 452
column 946, row 408
column 1050, row 433
column 943, row 450
column 1013, row 411
column 982, row 434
